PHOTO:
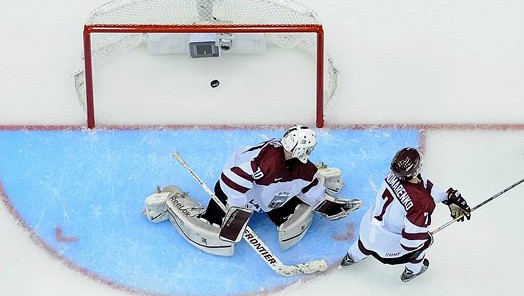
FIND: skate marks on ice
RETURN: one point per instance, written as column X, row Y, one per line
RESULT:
column 81, row 194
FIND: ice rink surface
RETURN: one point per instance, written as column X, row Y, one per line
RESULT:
column 451, row 70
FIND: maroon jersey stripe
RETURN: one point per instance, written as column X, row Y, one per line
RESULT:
column 233, row 185
column 242, row 174
column 415, row 236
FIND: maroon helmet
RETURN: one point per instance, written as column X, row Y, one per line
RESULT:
column 406, row 163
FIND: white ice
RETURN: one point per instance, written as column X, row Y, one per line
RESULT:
column 407, row 62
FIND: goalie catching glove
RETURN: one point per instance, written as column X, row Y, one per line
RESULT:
column 334, row 208
column 457, row 205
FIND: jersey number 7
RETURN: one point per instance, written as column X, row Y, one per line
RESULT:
column 389, row 199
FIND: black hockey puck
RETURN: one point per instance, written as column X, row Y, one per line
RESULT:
column 215, row 83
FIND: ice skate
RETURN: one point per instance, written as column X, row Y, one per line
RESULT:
column 408, row 275
column 347, row 261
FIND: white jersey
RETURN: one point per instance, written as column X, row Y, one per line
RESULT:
column 259, row 177
column 398, row 223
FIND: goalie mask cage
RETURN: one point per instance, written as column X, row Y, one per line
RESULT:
column 116, row 27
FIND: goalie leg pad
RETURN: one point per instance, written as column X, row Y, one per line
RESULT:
column 235, row 222
column 295, row 227
column 184, row 212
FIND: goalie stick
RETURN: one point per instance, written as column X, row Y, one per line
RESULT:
column 478, row 206
column 256, row 243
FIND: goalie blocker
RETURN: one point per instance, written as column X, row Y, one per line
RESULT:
column 235, row 222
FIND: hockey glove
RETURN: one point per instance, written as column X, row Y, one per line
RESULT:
column 334, row 208
column 457, row 205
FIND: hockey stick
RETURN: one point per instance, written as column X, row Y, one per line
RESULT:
column 256, row 243
column 478, row 206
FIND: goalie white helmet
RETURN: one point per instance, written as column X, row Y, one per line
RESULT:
column 300, row 140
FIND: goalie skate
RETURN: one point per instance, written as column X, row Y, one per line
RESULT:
column 183, row 213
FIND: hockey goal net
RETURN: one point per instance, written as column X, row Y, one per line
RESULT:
column 129, row 64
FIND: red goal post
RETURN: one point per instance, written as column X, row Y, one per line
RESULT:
column 126, row 20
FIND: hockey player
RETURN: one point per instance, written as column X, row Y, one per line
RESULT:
column 395, row 229
column 275, row 177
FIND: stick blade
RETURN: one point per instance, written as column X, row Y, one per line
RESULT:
column 303, row 268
